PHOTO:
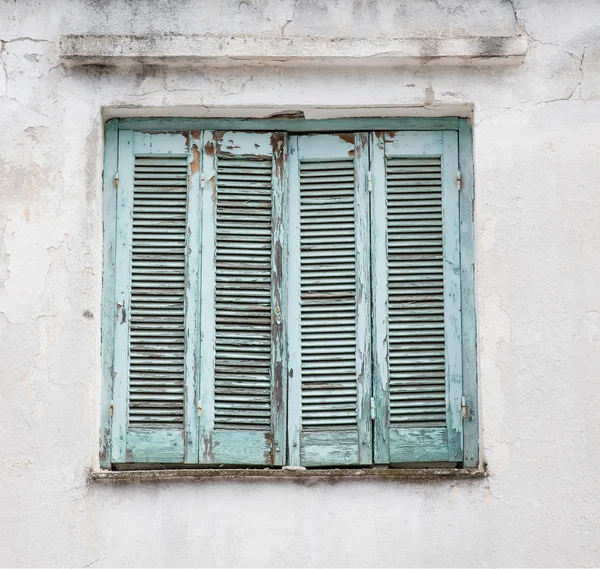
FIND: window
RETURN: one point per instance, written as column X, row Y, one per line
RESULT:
column 277, row 297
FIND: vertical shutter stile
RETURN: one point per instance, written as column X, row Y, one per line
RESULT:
column 416, row 274
column 329, row 305
column 243, row 350
column 154, row 383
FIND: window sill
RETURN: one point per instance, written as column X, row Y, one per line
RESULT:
column 329, row 474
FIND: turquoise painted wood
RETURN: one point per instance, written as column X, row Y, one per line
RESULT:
column 206, row 407
column 467, row 267
column 416, row 276
column 293, row 320
column 213, row 417
column 122, row 296
column 329, row 340
column 192, row 299
column 153, row 378
column 379, row 317
column 452, row 295
column 109, row 229
column 243, row 305
column 292, row 125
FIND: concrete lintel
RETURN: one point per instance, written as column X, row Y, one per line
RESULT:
column 249, row 50
column 333, row 474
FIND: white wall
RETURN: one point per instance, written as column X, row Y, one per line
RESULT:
column 537, row 161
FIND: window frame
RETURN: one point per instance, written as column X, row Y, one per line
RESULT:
column 465, row 181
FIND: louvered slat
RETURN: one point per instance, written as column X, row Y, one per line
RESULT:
column 328, row 294
column 243, row 294
column 415, row 293
column 156, row 337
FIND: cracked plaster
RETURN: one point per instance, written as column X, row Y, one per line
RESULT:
column 537, row 208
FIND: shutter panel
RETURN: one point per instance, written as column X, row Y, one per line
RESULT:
column 329, row 303
column 417, row 330
column 154, row 382
column 243, row 350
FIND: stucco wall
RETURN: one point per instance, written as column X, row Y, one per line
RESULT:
column 537, row 223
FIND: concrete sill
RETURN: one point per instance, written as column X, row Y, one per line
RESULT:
column 181, row 50
column 329, row 475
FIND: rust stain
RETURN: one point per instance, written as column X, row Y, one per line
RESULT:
column 277, row 140
column 270, row 453
column 27, row 214
column 195, row 165
column 218, row 136
column 390, row 134
column 347, row 137
column 209, row 149
column 351, row 153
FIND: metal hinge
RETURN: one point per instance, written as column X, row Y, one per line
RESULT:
column 463, row 407
column 458, row 181
column 116, row 179
column 112, row 408
column 372, row 408
column 370, row 182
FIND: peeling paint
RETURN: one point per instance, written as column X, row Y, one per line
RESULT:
column 536, row 133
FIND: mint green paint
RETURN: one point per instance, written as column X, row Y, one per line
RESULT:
column 291, row 125
column 419, row 445
column 200, row 441
column 329, row 449
column 407, row 444
column 206, row 406
column 328, row 412
column 131, row 443
column 241, row 447
column 293, row 306
column 157, row 144
column 467, row 267
column 122, row 295
column 379, row 327
column 227, row 436
column 154, row 445
column 192, row 301
column 452, row 303
column 109, row 307
column 362, row 220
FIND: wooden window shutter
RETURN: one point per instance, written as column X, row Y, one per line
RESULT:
column 156, row 289
column 329, row 301
column 417, row 321
column 243, row 385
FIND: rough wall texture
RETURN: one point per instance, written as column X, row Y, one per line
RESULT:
column 537, row 162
